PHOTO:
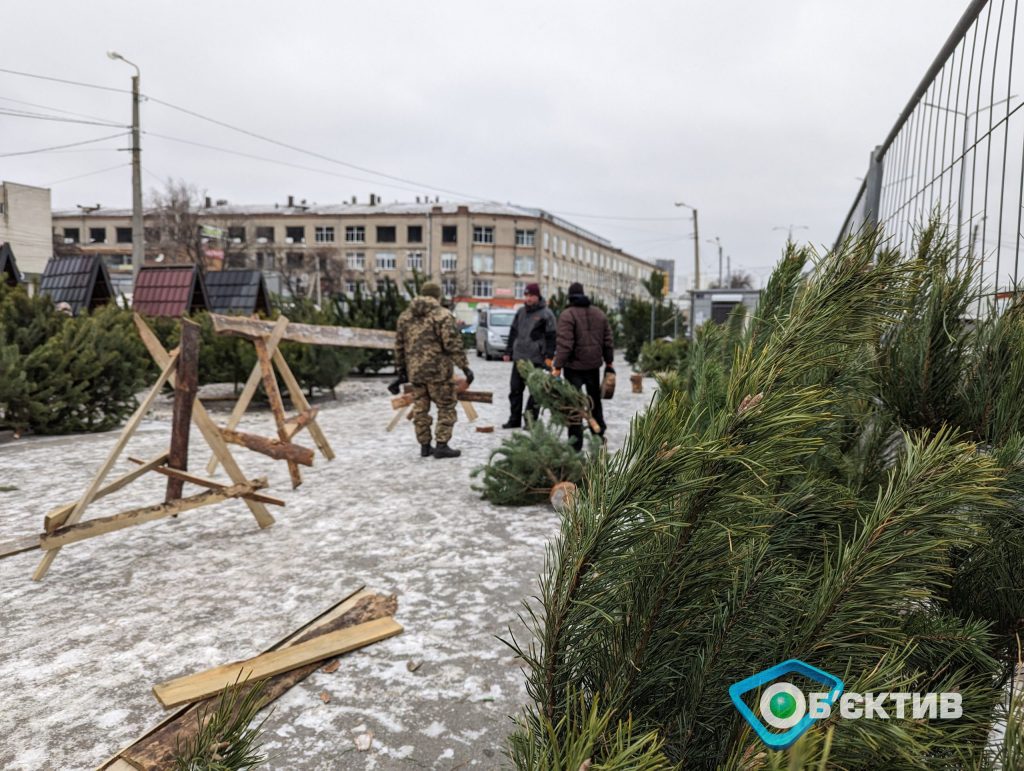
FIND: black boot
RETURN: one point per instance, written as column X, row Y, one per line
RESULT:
column 444, row 451
column 511, row 424
column 426, row 450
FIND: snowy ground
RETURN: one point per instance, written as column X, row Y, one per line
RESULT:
column 80, row 651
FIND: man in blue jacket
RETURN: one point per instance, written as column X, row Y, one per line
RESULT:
column 532, row 337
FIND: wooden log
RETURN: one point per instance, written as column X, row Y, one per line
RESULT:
column 19, row 545
column 204, row 684
column 312, row 334
column 59, row 515
column 397, row 417
column 485, row 429
column 155, row 750
column 186, row 386
column 249, row 390
column 94, row 527
column 486, row 397
column 210, row 484
column 397, row 402
column 206, row 426
column 299, row 422
column 637, row 381
column 276, row 405
column 273, row 448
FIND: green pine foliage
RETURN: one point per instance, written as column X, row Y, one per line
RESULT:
column 810, row 484
column 227, row 740
column 657, row 356
column 564, row 402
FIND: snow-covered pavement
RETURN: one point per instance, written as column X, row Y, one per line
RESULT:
column 80, row 651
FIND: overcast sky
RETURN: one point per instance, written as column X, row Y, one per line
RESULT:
column 761, row 114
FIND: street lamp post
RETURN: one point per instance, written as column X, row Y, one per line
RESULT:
column 790, row 228
column 696, row 244
column 138, row 234
column 717, row 240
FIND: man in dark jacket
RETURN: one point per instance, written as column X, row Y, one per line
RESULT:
column 532, row 337
column 584, row 340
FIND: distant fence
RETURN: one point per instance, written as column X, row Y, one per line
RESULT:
column 958, row 149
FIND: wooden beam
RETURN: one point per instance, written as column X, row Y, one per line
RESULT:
column 166, row 374
column 210, row 484
column 206, row 425
column 93, row 527
column 397, row 402
column 19, row 545
column 300, row 421
column 212, row 681
column 59, row 515
column 156, row 748
column 486, row 397
column 274, row 448
column 311, row 334
column 298, row 399
column 397, row 417
column 185, row 388
column 470, row 410
column 276, row 405
column 251, row 385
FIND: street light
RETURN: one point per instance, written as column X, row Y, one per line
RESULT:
column 790, row 228
column 696, row 244
column 138, row 234
column 718, row 241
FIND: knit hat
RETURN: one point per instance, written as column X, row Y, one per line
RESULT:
column 575, row 288
column 430, row 289
column 533, row 289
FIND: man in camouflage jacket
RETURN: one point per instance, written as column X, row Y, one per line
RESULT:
column 428, row 347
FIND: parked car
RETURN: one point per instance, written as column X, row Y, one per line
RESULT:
column 492, row 328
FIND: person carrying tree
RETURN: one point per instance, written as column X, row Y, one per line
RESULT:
column 584, row 340
column 532, row 337
column 427, row 349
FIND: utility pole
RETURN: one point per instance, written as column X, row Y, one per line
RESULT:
column 696, row 245
column 138, row 232
column 718, row 241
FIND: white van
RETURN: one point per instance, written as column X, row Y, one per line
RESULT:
column 492, row 328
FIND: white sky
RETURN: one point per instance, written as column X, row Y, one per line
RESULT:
column 761, row 114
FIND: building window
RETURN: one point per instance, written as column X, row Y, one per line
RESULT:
column 356, row 260
column 520, row 290
column 448, row 288
column 97, row 235
column 123, row 235
column 483, row 287
column 295, row 234
column 265, row 260
column 525, row 266
column 483, row 263
column 449, row 262
column 236, row 234
column 351, row 286
column 386, row 234
column 355, row 234
column 449, row 234
column 414, row 261
column 71, row 235
column 386, row 261
column 546, row 243
column 525, row 237
column 414, row 234
column 564, row 248
column 265, row 235
column 294, row 259
column 483, row 234
column 546, row 266
column 324, row 234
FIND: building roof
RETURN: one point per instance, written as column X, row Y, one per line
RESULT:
column 237, row 291
column 8, row 266
column 170, row 290
column 81, row 281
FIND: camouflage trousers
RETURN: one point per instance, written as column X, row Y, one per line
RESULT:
column 443, row 395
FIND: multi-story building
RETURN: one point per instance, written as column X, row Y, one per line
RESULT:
column 479, row 252
column 25, row 224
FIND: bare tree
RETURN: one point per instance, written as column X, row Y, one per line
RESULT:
column 176, row 213
column 735, row 280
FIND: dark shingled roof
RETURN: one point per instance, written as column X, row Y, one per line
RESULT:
column 237, row 291
column 8, row 267
column 81, row 281
column 168, row 291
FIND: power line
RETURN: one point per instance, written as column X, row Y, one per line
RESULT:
column 87, row 174
column 40, row 116
column 611, row 217
column 61, row 147
column 54, row 109
column 65, row 81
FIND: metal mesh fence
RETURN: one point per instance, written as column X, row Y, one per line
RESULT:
column 957, row 150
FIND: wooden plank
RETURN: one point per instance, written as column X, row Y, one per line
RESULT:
column 276, row 405
column 59, row 515
column 185, row 388
column 251, row 385
column 486, row 397
column 94, row 527
column 299, row 422
column 155, row 750
column 273, row 448
column 212, row 681
column 19, row 545
column 206, row 425
column 170, row 362
column 311, row 334
column 397, row 418
column 210, row 484
column 397, row 402
column 470, row 411
column 298, row 399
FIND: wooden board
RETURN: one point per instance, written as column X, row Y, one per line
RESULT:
column 210, row 484
column 19, row 545
column 212, row 681
column 311, row 334
column 276, row 405
column 94, row 527
column 298, row 399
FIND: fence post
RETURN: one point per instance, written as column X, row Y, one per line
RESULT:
column 873, row 189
